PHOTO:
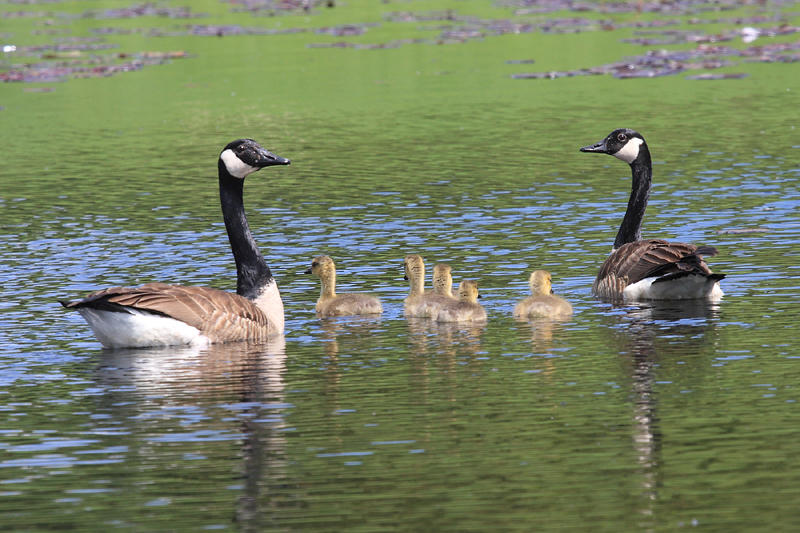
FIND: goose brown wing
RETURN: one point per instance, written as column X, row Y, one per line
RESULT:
column 638, row 260
column 220, row 315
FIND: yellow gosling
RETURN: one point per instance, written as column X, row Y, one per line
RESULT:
column 466, row 308
column 443, row 280
column 542, row 302
column 419, row 303
column 332, row 304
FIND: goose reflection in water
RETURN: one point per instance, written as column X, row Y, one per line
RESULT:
column 196, row 371
column 245, row 380
column 653, row 335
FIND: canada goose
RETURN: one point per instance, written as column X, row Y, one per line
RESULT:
column 542, row 302
column 157, row 314
column 332, row 304
column 466, row 308
column 443, row 280
column 419, row 303
column 652, row 268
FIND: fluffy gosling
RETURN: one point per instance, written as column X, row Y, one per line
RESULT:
column 419, row 303
column 466, row 308
column 332, row 304
column 542, row 302
column 443, row 280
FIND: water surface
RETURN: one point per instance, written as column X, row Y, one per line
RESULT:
column 647, row 416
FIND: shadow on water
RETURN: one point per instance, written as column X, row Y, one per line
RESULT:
column 648, row 334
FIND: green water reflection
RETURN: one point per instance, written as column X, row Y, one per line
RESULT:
column 622, row 418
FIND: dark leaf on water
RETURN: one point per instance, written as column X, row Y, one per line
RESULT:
column 724, row 76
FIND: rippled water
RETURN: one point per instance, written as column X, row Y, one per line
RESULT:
column 652, row 416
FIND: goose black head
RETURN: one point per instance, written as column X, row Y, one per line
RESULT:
column 244, row 156
column 624, row 144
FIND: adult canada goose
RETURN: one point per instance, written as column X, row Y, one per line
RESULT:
column 332, row 304
column 443, row 280
column 419, row 303
column 652, row 268
column 542, row 302
column 157, row 314
column 466, row 308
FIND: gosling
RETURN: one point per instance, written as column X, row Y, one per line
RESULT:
column 443, row 280
column 466, row 308
column 332, row 304
column 419, row 303
column 542, row 302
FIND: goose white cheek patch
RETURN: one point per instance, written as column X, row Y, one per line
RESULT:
column 236, row 167
column 630, row 151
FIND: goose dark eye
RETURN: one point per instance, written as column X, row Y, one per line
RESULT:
column 621, row 137
column 314, row 264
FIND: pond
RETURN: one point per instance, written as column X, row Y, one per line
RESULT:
column 446, row 129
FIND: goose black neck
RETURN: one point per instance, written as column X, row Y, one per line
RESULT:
column 252, row 272
column 642, row 171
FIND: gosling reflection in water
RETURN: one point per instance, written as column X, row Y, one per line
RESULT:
column 449, row 339
column 542, row 332
column 359, row 333
column 350, row 336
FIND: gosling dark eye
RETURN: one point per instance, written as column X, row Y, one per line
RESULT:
column 314, row 264
column 622, row 137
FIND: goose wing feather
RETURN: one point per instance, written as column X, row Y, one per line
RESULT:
column 220, row 315
column 638, row 260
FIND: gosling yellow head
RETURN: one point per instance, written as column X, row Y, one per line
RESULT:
column 443, row 280
column 540, row 282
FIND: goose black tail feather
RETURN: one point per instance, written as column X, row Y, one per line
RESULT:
column 671, row 276
column 678, row 275
column 102, row 305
